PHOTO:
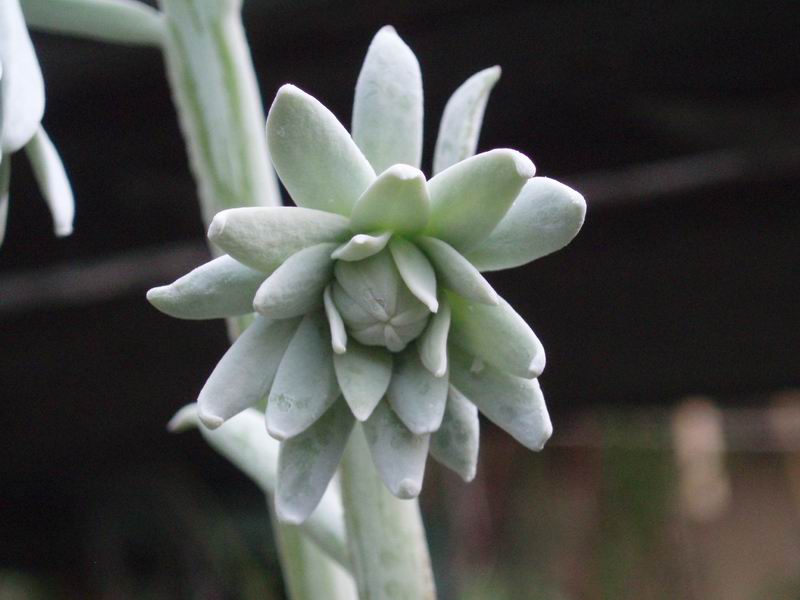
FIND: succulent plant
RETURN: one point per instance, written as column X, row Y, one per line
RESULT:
column 21, row 110
column 370, row 299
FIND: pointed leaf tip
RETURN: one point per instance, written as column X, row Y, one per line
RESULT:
column 209, row 420
column 462, row 118
column 387, row 109
column 544, row 218
column 53, row 182
column 184, row 419
column 245, row 373
column 314, row 155
column 220, row 288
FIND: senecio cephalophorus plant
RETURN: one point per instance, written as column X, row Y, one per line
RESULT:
column 371, row 307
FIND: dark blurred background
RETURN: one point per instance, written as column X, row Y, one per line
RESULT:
column 671, row 323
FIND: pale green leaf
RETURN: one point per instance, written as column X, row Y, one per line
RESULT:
column 307, row 462
column 498, row 335
column 455, row 444
column 296, row 287
column 53, row 182
column 387, row 110
column 361, row 246
column 245, row 373
column 544, row 218
column 513, row 403
column 221, row 288
column 416, row 272
column 305, row 384
column 338, row 333
column 432, row 345
column 470, row 198
column 456, row 273
column 417, row 395
column 22, row 85
column 315, row 157
column 363, row 374
column 398, row 454
column 264, row 237
column 396, row 201
column 462, row 119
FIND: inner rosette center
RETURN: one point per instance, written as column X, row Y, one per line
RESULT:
column 376, row 306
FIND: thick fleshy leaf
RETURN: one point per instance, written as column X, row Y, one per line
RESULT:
column 223, row 287
column 5, row 179
column 115, row 21
column 462, row 119
column 295, row 288
column 23, row 86
column 416, row 272
column 456, row 273
column 338, row 333
column 363, row 374
column 432, row 345
column 305, row 384
column 387, row 110
column 315, row 157
column 417, row 395
column 398, row 454
column 361, row 246
column 307, row 462
column 544, row 218
column 498, row 335
column 396, row 201
column 245, row 373
column 513, row 403
column 470, row 198
column 264, row 237
column 53, row 182
column 455, row 444
column 242, row 441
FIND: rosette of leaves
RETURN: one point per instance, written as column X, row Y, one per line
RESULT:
column 370, row 299
column 21, row 110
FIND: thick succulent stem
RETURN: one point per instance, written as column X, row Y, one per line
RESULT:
column 327, row 579
column 385, row 534
column 215, row 92
column 214, row 87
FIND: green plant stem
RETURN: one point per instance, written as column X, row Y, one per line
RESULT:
column 214, row 88
column 386, row 536
column 219, row 108
column 327, row 579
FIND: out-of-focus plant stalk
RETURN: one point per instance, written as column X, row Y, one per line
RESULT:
column 214, row 87
column 117, row 21
column 219, row 107
column 386, row 536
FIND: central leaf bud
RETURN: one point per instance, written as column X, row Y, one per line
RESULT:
column 376, row 306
